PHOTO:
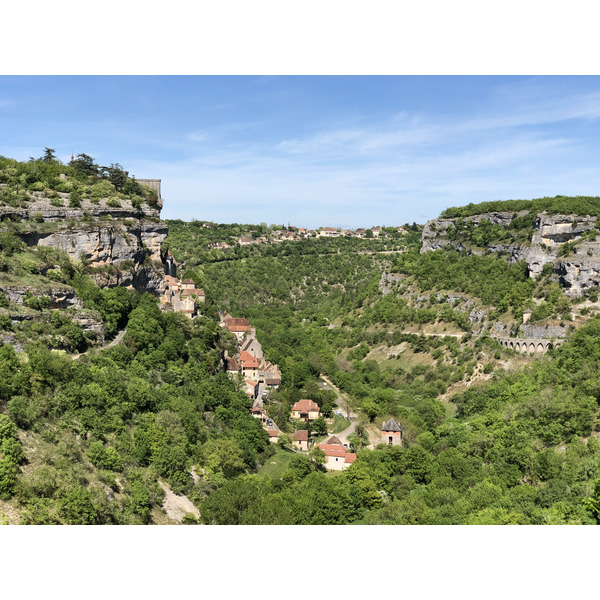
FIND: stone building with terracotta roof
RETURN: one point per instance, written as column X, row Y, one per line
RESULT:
column 306, row 410
column 300, row 440
column 337, row 458
column 249, row 366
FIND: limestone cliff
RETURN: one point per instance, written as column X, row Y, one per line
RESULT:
column 576, row 266
column 121, row 245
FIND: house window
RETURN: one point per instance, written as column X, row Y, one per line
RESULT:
column 391, row 440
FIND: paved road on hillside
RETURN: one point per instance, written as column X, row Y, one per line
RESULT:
column 343, row 435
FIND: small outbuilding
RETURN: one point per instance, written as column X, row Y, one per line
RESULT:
column 391, row 433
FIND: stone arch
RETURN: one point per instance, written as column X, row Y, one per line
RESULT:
column 523, row 347
column 540, row 348
column 532, row 348
column 511, row 345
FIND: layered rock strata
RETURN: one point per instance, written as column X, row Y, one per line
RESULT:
column 122, row 245
column 578, row 269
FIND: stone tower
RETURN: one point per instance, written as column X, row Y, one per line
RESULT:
column 391, row 433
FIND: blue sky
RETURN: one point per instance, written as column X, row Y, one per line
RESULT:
column 344, row 151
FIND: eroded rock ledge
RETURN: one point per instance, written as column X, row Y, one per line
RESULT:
column 578, row 269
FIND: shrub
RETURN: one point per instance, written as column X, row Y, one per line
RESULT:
column 54, row 275
column 75, row 199
column 29, row 265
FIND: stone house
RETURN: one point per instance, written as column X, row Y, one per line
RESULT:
column 259, row 413
column 232, row 367
column 300, row 440
column 376, row 231
column 249, row 366
column 329, row 232
column 273, row 435
column 251, row 345
column 391, row 433
column 188, row 284
column 337, row 458
column 251, row 388
column 239, row 327
column 306, row 410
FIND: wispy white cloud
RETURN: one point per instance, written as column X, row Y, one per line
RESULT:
column 199, row 136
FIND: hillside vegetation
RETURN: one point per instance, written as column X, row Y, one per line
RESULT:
column 21, row 182
column 94, row 435
column 521, row 445
column 558, row 205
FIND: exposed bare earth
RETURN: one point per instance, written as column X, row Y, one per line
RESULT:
column 176, row 506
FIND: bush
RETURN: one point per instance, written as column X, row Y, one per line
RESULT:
column 54, row 275
column 29, row 265
column 8, row 478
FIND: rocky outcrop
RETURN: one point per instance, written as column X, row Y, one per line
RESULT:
column 60, row 296
column 387, row 282
column 532, row 330
column 121, row 244
column 577, row 270
column 435, row 231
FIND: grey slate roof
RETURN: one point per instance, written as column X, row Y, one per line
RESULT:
column 391, row 425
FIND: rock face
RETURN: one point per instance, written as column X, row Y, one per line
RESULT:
column 60, row 296
column 543, row 331
column 578, row 269
column 121, row 244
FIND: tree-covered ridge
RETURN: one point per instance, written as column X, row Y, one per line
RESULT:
column 191, row 242
column 565, row 205
column 80, row 179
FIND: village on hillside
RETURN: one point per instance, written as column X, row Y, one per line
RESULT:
column 292, row 233
column 259, row 376
column 181, row 296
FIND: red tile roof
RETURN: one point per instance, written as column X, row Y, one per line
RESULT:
column 197, row 292
column 248, row 361
column 305, row 406
column 301, row 435
column 333, row 449
column 237, row 321
column 188, row 281
column 339, row 451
